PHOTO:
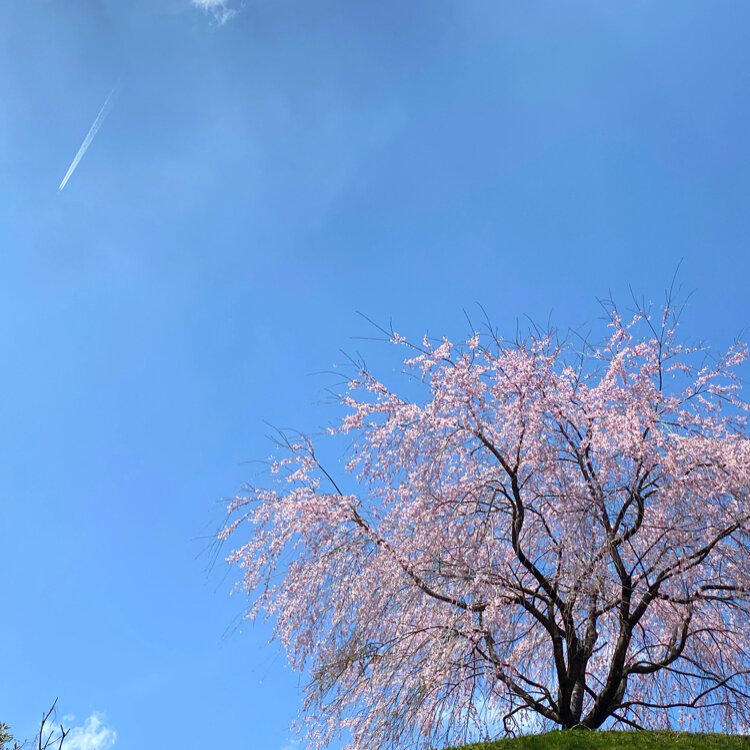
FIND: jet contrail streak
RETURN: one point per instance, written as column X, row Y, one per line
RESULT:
column 93, row 130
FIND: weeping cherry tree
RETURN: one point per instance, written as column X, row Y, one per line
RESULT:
column 552, row 534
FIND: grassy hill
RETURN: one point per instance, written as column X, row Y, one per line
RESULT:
column 574, row 740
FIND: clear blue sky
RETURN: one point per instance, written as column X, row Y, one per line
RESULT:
column 255, row 184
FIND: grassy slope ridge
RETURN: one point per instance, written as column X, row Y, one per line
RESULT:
column 575, row 740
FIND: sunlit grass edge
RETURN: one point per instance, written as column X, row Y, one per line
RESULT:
column 610, row 740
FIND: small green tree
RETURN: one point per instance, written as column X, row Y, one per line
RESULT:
column 6, row 738
column 46, row 738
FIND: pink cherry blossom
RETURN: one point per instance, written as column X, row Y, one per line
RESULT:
column 552, row 535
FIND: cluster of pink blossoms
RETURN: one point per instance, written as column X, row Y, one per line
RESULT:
column 552, row 535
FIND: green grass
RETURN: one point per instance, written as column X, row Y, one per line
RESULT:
column 582, row 740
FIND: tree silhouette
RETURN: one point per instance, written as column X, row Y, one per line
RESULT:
column 552, row 534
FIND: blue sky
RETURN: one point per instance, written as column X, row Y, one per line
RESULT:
column 255, row 184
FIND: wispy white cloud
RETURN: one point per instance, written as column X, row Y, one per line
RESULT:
column 220, row 10
column 94, row 734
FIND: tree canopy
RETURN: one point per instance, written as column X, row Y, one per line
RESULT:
column 552, row 534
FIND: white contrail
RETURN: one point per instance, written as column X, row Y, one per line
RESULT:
column 93, row 130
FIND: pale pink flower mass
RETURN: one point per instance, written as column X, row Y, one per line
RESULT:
column 554, row 535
